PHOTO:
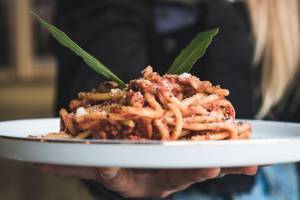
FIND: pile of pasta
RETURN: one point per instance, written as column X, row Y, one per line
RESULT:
column 153, row 107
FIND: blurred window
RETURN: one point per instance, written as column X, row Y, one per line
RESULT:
column 24, row 45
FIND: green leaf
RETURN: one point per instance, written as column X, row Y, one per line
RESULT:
column 91, row 61
column 193, row 52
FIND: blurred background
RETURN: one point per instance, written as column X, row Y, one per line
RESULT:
column 27, row 89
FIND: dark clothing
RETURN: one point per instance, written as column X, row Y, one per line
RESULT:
column 122, row 35
column 129, row 35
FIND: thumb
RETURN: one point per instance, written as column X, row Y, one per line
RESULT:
column 108, row 174
column 116, row 179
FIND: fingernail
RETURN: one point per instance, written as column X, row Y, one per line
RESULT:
column 250, row 174
column 201, row 180
column 221, row 175
column 108, row 174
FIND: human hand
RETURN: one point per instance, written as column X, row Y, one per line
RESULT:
column 145, row 183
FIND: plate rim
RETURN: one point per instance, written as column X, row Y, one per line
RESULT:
column 152, row 142
column 32, row 150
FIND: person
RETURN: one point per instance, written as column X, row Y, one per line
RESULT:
column 129, row 35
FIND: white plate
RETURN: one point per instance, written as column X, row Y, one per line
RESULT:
column 273, row 142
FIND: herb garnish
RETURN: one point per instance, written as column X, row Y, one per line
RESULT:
column 193, row 52
column 91, row 61
column 182, row 63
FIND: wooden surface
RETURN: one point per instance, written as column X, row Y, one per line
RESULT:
column 21, row 37
column 27, row 91
column 20, row 181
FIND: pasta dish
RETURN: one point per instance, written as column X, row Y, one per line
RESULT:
column 153, row 107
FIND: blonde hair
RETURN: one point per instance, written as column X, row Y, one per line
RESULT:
column 275, row 26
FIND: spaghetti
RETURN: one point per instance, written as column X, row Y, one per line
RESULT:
column 168, row 107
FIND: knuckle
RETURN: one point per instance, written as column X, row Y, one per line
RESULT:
column 253, row 172
column 212, row 173
column 169, row 183
column 183, row 187
column 222, row 174
column 134, row 192
column 129, row 195
column 163, row 194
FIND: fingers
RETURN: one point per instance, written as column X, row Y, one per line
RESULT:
column 123, row 181
column 249, row 170
column 145, row 183
column 70, row 171
column 177, row 179
column 108, row 173
column 239, row 170
column 119, row 180
column 158, row 184
column 115, row 179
